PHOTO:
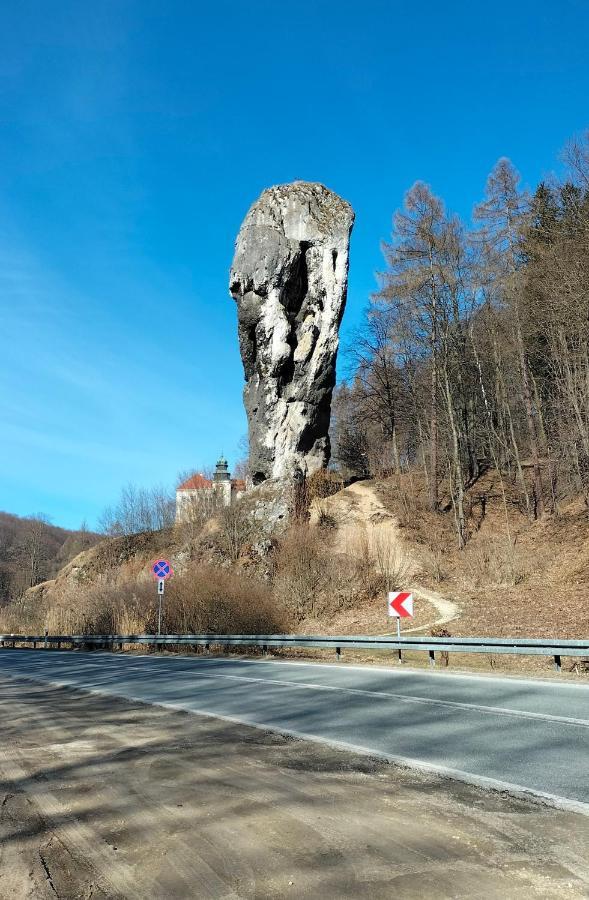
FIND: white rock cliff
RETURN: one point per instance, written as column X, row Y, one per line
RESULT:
column 289, row 278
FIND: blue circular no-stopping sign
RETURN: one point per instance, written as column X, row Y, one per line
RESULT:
column 162, row 569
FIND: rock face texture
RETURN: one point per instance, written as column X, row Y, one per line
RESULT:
column 289, row 278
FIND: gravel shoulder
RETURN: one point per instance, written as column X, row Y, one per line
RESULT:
column 102, row 798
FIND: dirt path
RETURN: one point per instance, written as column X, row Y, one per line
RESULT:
column 100, row 798
column 447, row 608
column 360, row 514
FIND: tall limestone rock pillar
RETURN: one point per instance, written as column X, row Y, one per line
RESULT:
column 289, row 278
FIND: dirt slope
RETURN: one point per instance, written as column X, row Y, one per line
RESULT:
column 514, row 577
column 363, row 521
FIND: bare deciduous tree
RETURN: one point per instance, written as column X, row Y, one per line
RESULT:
column 475, row 349
column 138, row 510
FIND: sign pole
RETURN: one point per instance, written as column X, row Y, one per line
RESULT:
column 400, row 605
column 160, row 590
column 161, row 570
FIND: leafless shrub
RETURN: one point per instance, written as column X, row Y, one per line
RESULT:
column 313, row 580
column 23, row 616
column 202, row 599
column 580, row 666
column 340, row 587
column 236, row 528
column 300, row 499
column 440, row 632
column 432, row 564
column 123, row 607
column 208, row 599
column 358, row 547
column 324, row 483
column 495, row 561
column 300, row 569
column 375, row 561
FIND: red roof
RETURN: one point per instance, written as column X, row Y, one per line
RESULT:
column 195, row 483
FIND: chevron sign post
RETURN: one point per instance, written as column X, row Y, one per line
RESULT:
column 400, row 606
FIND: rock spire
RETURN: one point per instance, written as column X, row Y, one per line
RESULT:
column 289, row 278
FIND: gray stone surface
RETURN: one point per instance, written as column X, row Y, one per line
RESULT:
column 289, row 278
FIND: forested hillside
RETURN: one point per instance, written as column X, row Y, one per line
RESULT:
column 474, row 353
column 32, row 550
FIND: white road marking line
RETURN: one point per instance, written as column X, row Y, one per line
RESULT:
column 499, row 710
column 403, row 698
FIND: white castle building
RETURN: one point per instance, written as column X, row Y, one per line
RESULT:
column 198, row 492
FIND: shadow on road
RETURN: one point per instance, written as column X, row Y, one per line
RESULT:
column 122, row 800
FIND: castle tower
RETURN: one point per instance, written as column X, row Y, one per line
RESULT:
column 222, row 481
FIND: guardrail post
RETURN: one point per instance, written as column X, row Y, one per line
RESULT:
column 557, row 664
column 264, row 649
column 338, row 653
column 432, row 657
column 400, row 656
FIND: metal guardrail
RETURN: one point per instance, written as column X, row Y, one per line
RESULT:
column 431, row 645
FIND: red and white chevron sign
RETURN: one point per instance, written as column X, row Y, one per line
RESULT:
column 401, row 604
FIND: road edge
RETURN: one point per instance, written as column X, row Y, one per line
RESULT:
column 490, row 784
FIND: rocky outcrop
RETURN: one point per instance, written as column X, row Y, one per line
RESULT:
column 289, row 279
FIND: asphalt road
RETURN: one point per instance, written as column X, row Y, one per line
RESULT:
column 525, row 734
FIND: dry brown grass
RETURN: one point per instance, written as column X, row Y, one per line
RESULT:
column 381, row 561
column 23, row 616
column 389, row 557
column 300, row 571
column 432, row 566
column 325, row 516
column 203, row 599
column 492, row 562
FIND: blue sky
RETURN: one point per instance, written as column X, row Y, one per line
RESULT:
column 133, row 138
